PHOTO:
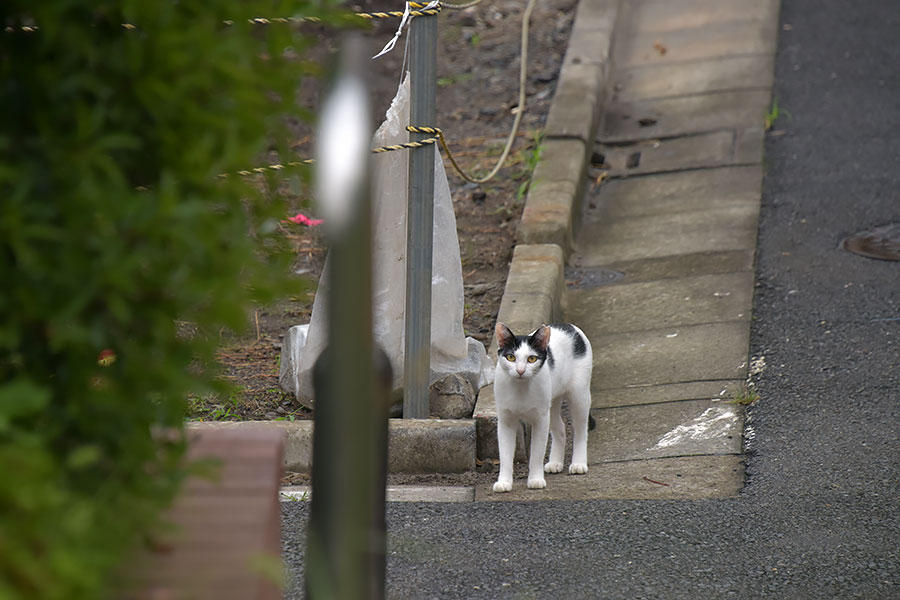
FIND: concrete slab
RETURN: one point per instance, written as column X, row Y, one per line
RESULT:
column 713, row 351
column 686, row 478
column 729, row 38
column 670, row 117
column 674, row 192
column 666, row 303
column 671, row 392
column 711, row 230
column 702, row 76
column 703, row 150
column 673, row 267
column 689, row 428
column 657, row 16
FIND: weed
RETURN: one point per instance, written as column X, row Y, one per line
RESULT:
column 746, row 395
column 452, row 79
column 529, row 161
column 775, row 113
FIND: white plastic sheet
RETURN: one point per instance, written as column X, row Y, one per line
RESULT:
column 451, row 351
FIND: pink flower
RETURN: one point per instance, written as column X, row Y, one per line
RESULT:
column 106, row 358
column 302, row 219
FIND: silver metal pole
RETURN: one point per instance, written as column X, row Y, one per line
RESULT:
column 420, row 220
column 346, row 539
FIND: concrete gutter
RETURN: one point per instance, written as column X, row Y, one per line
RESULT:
column 535, row 283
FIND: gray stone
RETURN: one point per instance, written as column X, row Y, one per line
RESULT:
column 291, row 349
column 452, row 397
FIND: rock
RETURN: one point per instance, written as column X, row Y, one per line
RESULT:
column 291, row 348
column 452, row 397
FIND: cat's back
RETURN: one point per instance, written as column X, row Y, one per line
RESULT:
column 570, row 354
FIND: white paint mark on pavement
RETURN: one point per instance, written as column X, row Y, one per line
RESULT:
column 714, row 422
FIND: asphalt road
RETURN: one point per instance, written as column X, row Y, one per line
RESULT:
column 819, row 516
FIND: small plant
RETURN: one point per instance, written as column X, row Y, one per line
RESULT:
column 774, row 113
column 745, row 396
column 529, row 161
column 452, row 79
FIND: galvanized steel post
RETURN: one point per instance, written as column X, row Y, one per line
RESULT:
column 346, row 538
column 420, row 219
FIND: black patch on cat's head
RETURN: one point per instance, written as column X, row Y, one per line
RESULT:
column 539, row 342
column 579, row 348
column 506, row 339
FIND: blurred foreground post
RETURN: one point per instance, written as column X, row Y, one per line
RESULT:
column 346, row 536
column 420, row 219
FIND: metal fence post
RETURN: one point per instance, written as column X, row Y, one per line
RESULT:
column 420, row 220
column 346, row 538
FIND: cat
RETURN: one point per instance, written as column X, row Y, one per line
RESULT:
column 534, row 373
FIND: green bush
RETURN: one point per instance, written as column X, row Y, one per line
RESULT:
column 114, row 227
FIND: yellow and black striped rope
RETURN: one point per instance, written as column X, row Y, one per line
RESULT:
column 382, row 149
column 418, row 10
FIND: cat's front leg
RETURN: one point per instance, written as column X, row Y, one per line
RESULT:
column 506, row 442
column 557, row 438
column 539, row 433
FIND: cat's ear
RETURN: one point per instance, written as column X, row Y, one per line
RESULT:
column 505, row 337
column 541, row 337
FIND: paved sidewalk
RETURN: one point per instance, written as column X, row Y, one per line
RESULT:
column 660, row 275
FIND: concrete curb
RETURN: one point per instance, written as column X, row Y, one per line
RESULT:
column 414, row 445
column 535, row 283
column 557, row 185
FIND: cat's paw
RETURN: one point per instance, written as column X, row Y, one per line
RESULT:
column 536, row 483
column 578, row 468
column 553, row 467
column 503, row 486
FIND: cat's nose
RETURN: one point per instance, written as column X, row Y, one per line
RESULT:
column 520, row 370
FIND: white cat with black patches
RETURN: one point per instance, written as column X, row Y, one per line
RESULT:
column 534, row 374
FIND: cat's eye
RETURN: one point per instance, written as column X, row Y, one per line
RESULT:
column 532, row 358
column 510, row 357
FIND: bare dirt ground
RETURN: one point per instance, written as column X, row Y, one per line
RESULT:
column 478, row 72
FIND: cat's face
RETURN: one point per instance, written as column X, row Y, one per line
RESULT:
column 521, row 357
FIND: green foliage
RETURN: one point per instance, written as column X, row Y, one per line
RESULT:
column 91, row 112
